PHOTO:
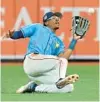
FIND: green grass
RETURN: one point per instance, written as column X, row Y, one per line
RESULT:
column 86, row 89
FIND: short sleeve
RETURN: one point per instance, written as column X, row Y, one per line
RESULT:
column 28, row 30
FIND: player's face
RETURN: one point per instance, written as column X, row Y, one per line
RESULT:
column 54, row 22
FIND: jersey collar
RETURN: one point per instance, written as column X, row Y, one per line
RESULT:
column 50, row 30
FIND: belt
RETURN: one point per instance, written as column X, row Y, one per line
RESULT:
column 34, row 54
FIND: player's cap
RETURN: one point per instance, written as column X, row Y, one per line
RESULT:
column 48, row 15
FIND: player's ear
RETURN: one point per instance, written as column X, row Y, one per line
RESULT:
column 46, row 23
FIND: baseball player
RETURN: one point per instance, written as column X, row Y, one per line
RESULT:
column 46, row 59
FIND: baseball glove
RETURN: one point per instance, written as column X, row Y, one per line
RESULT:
column 80, row 25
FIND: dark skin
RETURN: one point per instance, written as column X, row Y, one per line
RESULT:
column 53, row 24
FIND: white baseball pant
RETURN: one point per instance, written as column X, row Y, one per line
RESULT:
column 47, row 70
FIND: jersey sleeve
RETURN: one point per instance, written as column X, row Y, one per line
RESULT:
column 28, row 30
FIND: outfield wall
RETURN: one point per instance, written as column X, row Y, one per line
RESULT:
column 17, row 13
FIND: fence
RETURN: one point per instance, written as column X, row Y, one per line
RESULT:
column 17, row 13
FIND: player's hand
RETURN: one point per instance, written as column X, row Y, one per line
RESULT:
column 80, row 26
column 8, row 34
column 76, row 37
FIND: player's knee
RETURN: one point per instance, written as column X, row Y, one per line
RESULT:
column 64, row 60
column 71, row 87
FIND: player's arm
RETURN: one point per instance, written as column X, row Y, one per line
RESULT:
column 13, row 34
column 80, row 26
column 26, row 31
column 67, row 53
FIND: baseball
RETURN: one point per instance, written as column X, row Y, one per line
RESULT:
column 91, row 10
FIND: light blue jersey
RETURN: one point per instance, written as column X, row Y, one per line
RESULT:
column 42, row 40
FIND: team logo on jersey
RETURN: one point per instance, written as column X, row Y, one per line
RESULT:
column 57, row 45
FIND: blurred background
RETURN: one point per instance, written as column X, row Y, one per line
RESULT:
column 18, row 13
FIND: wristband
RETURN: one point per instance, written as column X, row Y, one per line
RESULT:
column 72, row 44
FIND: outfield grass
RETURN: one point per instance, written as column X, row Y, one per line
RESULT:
column 86, row 89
